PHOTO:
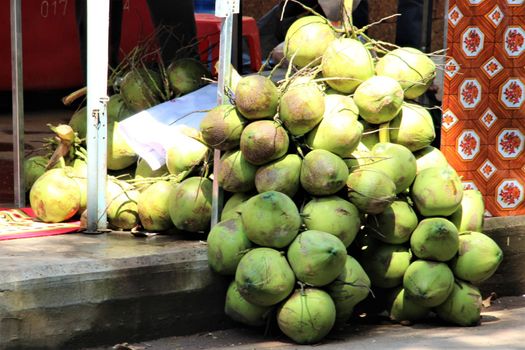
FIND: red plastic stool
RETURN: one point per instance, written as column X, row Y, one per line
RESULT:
column 208, row 35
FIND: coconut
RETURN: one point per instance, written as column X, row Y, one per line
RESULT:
column 34, row 167
column 78, row 122
column 227, row 243
column 337, row 103
column 428, row 283
column 348, row 289
column 281, row 175
column 463, row 306
column 190, row 204
column 478, row 257
column 256, row 97
column 271, row 219
column 120, row 155
column 469, row 215
column 323, row 173
column 338, row 132
column 402, row 309
column 437, row 191
column 82, row 186
column 379, row 99
column 307, row 316
column 221, row 127
column 333, row 215
column 429, row 157
column 396, row 161
column 153, row 208
column 413, row 127
column 241, row 310
column 304, row 31
column 186, row 75
column 435, row 239
column 385, row 264
column 55, row 196
column 301, row 107
column 316, row 257
column 346, row 63
column 185, row 154
column 141, row 89
column 117, row 109
column 121, row 198
column 235, row 173
column 144, row 174
column 412, row 68
column 263, row 141
column 395, row 224
column 370, row 190
column 369, row 137
column 232, row 207
column 264, row 277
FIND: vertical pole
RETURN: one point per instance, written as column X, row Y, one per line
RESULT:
column 225, row 57
column 97, row 74
column 17, row 89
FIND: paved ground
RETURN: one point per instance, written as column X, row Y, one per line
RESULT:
column 502, row 327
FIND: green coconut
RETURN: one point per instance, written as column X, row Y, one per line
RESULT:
column 412, row 68
column 379, row 99
column 395, row 224
column 78, row 122
column 271, row 219
column 369, row 137
column 280, row 175
column 469, row 216
column 141, row 88
column 403, row 309
column 145, row 176
column 437, row 191
column 435, row 239
column 117, row 109
column 304, row 31
column 323, row 173
column 122, row 199
column 34, row 167
column 186, row 75
column 337, row 103
column 478, row 257
column 190, row 204
column 185, row 154
column 82, row 186
column 120, row 155
column 346, row 63
column 316, row 257
column 153, row 208
column 349, row 288
column 55, row 196
column 307, row 316
column 264, row 277
column 429, row 157
column 263, row 141
column 385, row 264
column 370, row 190
column 301, row 107
column 221, row 127
column 463, row 306
column 232, row 207
column 413, row 127
column 428, row 283
column 334, row 215
column 256, row 97
column 235, row 173
column 396, row 161
column 338, row 132
column 227, row 243
column 241, row 310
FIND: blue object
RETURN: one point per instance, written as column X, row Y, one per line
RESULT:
column 204, row 6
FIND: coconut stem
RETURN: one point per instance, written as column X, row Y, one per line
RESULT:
column 384, row 132
column 69, row 99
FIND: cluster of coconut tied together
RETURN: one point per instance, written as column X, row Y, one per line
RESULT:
column 334, row 192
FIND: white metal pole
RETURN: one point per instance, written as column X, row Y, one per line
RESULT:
column 17, row 90
column 97, row 75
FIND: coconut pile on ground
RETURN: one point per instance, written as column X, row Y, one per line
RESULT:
column 333, row 192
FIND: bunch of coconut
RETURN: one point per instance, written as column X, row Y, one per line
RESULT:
column 338, row 156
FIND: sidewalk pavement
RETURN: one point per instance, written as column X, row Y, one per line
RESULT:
column 502, row 328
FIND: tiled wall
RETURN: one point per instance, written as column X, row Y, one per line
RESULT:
column 483, row 124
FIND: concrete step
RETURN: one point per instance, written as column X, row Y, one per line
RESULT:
column 77, row 290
